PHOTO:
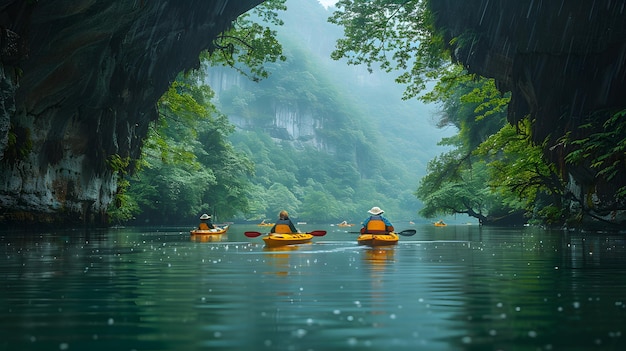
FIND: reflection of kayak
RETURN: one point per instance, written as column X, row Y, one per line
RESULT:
column 275, row 239
column 379, row 256
column 203, row 238
column 215, row 231
column 378, row 239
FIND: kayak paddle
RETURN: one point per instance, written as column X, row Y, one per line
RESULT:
column 407, row 232
column 314, row 233
column 252, row 234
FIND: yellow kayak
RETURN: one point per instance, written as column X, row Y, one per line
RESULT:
column 274, row 239
column 215, row 231
column 378, row 239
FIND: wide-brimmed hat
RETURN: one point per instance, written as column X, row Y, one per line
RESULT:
column 205, row 216
column 375, row 210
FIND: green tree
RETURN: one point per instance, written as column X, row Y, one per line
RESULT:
column 228, row 195
column 520, row 174
column 464, row 193
column 401, row 36
column 249, row 45
column 471, row 103
column 188, row 164
column 459, row 180
column 322, row 206
column 397, row 35
column 279, row 198
column 603, row 151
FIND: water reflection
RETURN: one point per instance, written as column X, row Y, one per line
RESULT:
column 278, row 258
column 204, row 238
column 378, row 258
column 452, row 288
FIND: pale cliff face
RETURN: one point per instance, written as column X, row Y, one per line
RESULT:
column 79, row 82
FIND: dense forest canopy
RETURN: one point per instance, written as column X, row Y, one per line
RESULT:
column 500, row 172
column 326, row 143
column 322, row 140
column 539, row 123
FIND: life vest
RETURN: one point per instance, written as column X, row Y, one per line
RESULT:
column 376, row 225
column 203, row 226
column 282, row 227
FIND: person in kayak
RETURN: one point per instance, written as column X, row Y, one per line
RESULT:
column 284, row 225
column 205, row 222
column 376, row 223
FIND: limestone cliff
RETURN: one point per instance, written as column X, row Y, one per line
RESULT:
column 79, row 81
column 564, row 64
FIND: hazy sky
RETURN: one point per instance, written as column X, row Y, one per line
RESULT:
column 327, row 3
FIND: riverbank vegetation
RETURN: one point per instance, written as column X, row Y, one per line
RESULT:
column 490, row 169
column 494, row 171
column 195, row 159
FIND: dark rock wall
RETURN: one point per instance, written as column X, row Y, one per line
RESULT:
column 79, row 82
column 564, row 63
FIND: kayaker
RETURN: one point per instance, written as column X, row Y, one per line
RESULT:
column 205, row 222
column 284, row 225
column 376, row 223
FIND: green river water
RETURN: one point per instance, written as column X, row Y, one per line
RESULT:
column 460, row 287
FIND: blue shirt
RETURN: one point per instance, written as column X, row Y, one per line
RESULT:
column 387, row 223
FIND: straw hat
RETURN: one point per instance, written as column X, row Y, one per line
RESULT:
column 375, row 211
column 205, row 216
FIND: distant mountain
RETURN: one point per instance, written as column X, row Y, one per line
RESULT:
column 355, row 118
column 408, row 128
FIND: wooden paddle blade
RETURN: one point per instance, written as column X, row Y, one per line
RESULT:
column 318, row 233
column 252, row 234
column 408, row 232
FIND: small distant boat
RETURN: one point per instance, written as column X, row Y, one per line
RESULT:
column 215, row 231
column 301, row 223
column 263, row 224
column 345, row 224
column 440, row 223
